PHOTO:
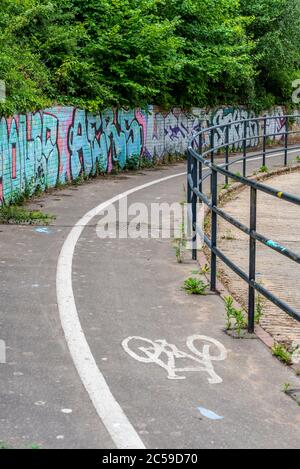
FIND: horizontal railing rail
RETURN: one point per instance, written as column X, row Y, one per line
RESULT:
column 202, row 153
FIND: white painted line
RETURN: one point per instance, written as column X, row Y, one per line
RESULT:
column 117, row 424
column 274, row 155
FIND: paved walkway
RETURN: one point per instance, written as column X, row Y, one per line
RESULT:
column 122, row 289
column 279, row 221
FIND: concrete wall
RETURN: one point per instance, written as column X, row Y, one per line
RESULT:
column 60, row 144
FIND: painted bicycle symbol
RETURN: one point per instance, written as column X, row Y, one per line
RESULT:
column 166, row 355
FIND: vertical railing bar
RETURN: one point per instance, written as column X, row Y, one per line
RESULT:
column 214, row 225
column 245, row 149
column 286, row 141
column 227, row 153
column 200, row 163
column 252, row 260
column 264, row 140
column 212, row 153
column 194, row 207
column 189, row 167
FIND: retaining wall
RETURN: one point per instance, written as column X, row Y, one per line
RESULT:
column 59, row 145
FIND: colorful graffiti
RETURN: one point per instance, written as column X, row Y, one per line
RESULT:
column 169, row 132
column 275, row 128
column 61, row 144
column 236, row 131
column 241, row 126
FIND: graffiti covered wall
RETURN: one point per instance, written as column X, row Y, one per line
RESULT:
column 61, row 144
column 275, row 128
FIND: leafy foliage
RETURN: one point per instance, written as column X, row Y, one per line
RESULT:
column 237, row 315
column 279, row 351
column 195, row 286
column 15, row 214
column 101, row 53
column 216, row 54
column 275, row 30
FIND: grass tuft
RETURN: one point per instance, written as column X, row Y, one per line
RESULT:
column 14, row 214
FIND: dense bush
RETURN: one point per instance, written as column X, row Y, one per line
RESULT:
column 99, row 53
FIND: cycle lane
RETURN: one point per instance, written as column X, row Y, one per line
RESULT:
column 39, row 380
column 132, row 288
column 42, row 399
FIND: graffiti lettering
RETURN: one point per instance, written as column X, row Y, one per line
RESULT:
column 61, row 144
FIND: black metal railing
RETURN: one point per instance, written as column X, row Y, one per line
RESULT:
column 202, row 152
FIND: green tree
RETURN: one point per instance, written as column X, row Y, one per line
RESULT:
column 275, row 29
column 26, row 77
column 216, row 56
column 99, row 53
column 128, row 51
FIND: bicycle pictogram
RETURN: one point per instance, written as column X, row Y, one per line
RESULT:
column 167, row 355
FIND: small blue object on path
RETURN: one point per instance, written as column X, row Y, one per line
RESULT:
column 43, row 230
column 209, row 414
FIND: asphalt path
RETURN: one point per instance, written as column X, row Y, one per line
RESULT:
column 105, row 349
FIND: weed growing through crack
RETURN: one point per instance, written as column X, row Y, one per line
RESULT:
column 259, row 310
column 235, row 317
column 195, row 286
column 280, row 352
column 179, row 245
column 286, row 388
column 205, row 269
column 264, row 169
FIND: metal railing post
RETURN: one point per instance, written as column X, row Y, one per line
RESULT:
column 286, row 141
column 200, row 163
column 252, row 260
column 194, row 207
column 264, row 141
column 214, row 226
column 227, row 152
column 245, row 149
column 214, row 219
column 189, row 168
column 212, row 144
